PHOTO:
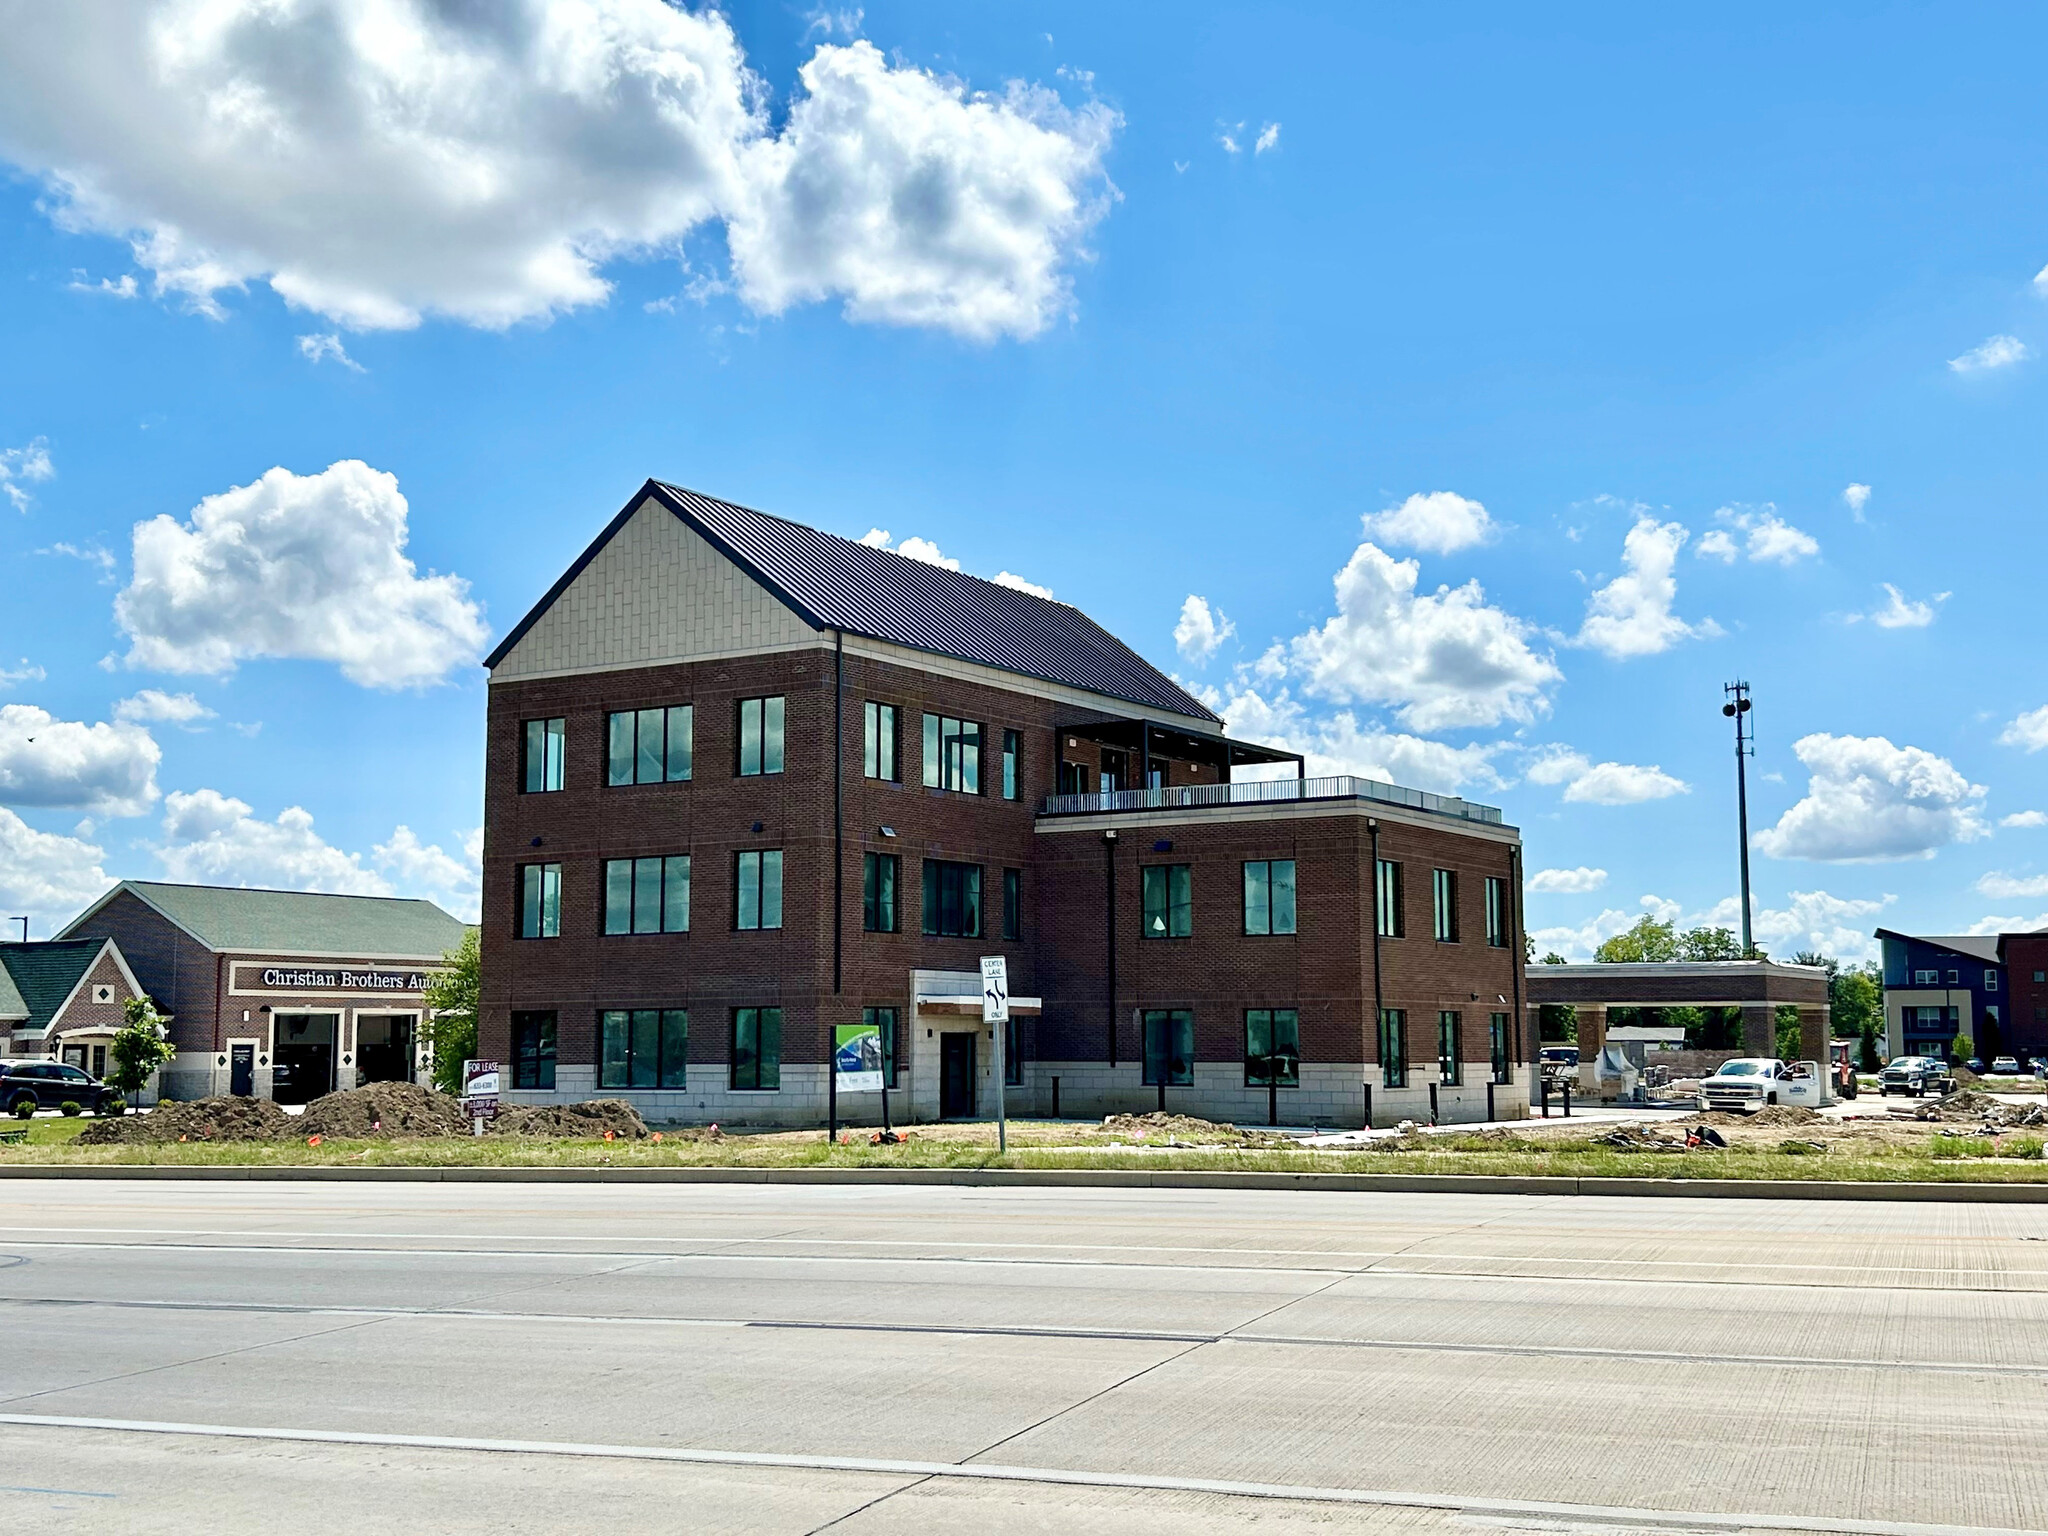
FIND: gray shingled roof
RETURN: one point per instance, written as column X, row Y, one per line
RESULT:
column 295, row 922
column 836, row 583
column 40, row 976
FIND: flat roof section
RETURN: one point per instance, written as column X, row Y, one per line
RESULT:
column 1677, row 984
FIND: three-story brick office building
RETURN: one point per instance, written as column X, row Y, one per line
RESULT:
column 747, row 781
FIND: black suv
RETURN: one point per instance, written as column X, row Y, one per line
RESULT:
column 50, row 1084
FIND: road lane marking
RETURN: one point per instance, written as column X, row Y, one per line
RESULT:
column 1070, row 1477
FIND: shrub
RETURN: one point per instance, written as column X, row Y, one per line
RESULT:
column 1960, row 1146
column 24, row 1107
column 72, row 1109
column 113, row 1108
column 165, row 1103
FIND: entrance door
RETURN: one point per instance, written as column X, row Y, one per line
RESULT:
column 303, row 1062
column 956, row 1075
column 242, row 1069
column 384, row 1047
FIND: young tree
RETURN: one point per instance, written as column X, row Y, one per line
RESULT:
column 451, row 998
column 1647, row 940
column 141, row 1045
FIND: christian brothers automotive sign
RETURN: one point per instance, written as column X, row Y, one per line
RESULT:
column 293, row 978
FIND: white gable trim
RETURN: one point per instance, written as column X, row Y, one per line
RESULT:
column 120, row 964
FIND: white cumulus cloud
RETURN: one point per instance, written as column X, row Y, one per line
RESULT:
column 307, row 566
column 27, row 672
column 2020, row 820
column 377, row 162
column 1868, row 801
column 1767, row 538
column 23, row 466
column 1337, row 743
column 1571, row 882
column 327, row 346
column 214, row 839
column 1608, row 783
column 153, row 704
column 1856, row 497
column 1994, row 352
column 108, row 769
column 2029, row 730
column 1900, row 612
column 45, row 876
column 1439, row 660
column 1631, row 616
column 455, row 880
column 1200, row 630
column 2000, row 886
column 1439, row 523
column 1269, row 138
column 921, row 549
column 1717, row 544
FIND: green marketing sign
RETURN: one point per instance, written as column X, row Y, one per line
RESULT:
column 857, row 1057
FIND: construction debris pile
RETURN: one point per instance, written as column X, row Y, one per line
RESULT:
column 223, row 1118
column 379, row 1110
column 1992, row 1111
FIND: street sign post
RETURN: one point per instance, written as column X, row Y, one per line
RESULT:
column 480, row 1093
column 995, row 1011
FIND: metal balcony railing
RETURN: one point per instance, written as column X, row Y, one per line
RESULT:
column 1267, row 792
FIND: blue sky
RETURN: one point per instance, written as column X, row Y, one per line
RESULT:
column 1604, row 315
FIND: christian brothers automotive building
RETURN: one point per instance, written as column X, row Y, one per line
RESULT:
column 280, row 994
column 748, row 781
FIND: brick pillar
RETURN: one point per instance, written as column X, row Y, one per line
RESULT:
column 1592, row 1036
column 1759, row 1029
column 1814, row 1030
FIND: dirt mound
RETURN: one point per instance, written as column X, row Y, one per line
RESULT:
column 1785, row 1114
column 1177, row 1127
column 591, row 1118
column 1970, row 1108
column 224, row 1118
column 384, row 1109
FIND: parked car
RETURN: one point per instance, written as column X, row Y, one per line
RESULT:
column 1916, row 1075
column 1750, row 1083
column 50, row 1084
column 1975, row 1063
column 2005, row 1066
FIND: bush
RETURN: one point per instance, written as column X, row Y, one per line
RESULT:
column 1960, row 1146
column 24, row 1107
column 113, row 1108
column 71, row 1109
column 165, row 1103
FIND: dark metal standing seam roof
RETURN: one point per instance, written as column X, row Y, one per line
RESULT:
column 836, row 583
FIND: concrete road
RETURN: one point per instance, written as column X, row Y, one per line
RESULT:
column 285, row 1357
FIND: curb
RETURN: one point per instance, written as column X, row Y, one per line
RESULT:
column 1085, row 1178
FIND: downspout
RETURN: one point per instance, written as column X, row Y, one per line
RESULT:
column 838, row 805
column 1379, row 1004
column 1109, row 852
column 1517, row 948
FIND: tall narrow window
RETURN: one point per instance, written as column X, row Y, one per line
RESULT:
column 1443, row 887
column 1013, row 903
column 1272, row 1048
column 1497, row 1030
column 1166, row 894
column 647, row 895
column 1073, row 779
column 952, row 899
column 643, row 1048
column 1394, row 1047
column 1013, row 1056
column 1387, row 890
column 758, row 889
column 1013, row 765
column 544, row 743
column 1169, row 1047
column 533, row 1050
column 878, row 874
column 760, row 736
column 649, row 746
column 1269, row 896
column 883, row 1021
column 952, row 754
column 1496, row 912
column 1448, row 1067
column 880, row 757
column 757, row 1048
column 540, row 901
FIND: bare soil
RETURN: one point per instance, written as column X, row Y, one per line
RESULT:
column 224, row 1118
column 384, row 1109
column 593, row 1117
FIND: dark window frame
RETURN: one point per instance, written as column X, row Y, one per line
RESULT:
column 884, row 1019
column 1282, row 1063
column 554, row 746
column 1391, row 920
column 1501, row 1042
column 668, row 1033
column 748, row 1068
column 882, row 741
column 676, row 764
column 952, row 762
column 1497, row 923
column 1263, row 921
column 881, row 886
column 764, row 859
column 1450, row 1031
column 1158, row 901
column 770, row 736
column 532, row 901
column 1393, row 1047
column 666, row 866
column 1013, row 904
column 1013, row 765
column 1178, row 1020
column 1443, row 905
column 937, row 874
column 533, row 1065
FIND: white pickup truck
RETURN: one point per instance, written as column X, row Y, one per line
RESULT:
column 1750, row 1083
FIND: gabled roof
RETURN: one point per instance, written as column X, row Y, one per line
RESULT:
column 41, row 976
column 835, row 583
column 235, row 918
column 1981, row 946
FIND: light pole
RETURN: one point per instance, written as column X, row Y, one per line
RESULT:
column 1737, row 709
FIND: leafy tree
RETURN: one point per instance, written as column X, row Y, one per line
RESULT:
column 1647, row 940
column 1558, row 1023
column 141, row 1045
column 1553, row 958
column 1709, row 944
column 1788, row 1035
column 451, row 998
